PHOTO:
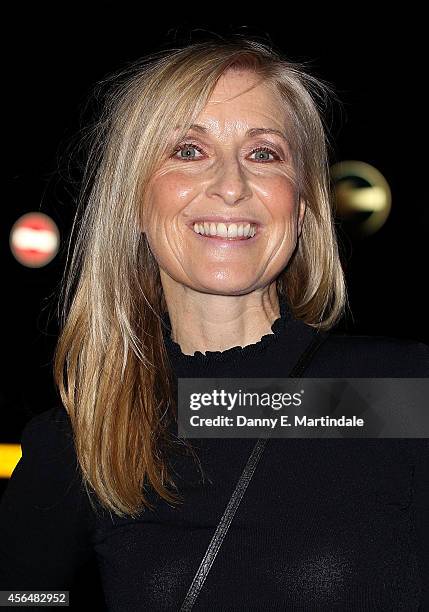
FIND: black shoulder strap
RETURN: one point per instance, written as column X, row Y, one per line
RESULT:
column 240, row 489
column 307, row 355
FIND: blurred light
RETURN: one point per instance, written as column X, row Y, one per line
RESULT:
column 34, row 240
column 10, row 454
column 362, row 196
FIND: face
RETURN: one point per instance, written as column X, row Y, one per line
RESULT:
column 222, row 173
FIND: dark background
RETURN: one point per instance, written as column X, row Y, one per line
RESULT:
column 53, row 58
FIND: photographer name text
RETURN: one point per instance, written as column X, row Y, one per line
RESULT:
column 273, row 422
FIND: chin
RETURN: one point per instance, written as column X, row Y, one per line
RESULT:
column 226, row 286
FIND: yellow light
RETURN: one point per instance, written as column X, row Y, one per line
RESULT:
column 10, row 454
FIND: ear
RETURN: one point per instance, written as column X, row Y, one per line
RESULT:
column 302, row 207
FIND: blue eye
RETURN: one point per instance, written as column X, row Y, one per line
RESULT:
column 265, row 150
column 187, row 146
column 184, row 147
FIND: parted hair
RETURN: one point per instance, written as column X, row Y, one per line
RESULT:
column 110, row 364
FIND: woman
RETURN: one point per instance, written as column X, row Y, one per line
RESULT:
column 207, row 249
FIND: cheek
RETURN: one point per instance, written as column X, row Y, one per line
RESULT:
column 280, row 198
column 168, row 195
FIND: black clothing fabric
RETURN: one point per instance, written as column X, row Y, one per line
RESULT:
column 325, row 524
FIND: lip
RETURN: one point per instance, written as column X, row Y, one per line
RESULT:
column 226, row 221
column 223, row 241
column 223, row 220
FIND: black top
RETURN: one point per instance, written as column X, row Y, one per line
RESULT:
column 325, row 524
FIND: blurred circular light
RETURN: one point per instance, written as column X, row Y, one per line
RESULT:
column 34, row 240
column 362, row 196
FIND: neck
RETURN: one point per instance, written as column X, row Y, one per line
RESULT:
column 210, row 322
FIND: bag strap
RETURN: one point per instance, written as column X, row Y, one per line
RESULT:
column 307, row 355
column 241, row 487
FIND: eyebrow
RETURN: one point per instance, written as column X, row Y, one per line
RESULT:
column 251, row 132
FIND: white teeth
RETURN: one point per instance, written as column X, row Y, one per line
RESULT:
column 233, row 230
column 222, row 230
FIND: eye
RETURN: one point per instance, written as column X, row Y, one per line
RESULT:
column 186, row 147
column 268, row 151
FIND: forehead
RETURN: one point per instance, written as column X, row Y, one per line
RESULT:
column 241, row 100
column 237, row 83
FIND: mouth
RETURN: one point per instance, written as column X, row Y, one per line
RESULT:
column 240, row 232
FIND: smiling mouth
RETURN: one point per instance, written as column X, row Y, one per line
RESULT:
column 233, row 232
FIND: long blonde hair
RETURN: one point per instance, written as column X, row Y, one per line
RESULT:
column 110, row 362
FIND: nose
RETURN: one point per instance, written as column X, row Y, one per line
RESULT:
column 229, row 184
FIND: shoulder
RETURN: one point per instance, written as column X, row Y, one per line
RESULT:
column 49, row 428
column 49, row 462
column 55, row 419
column 48, row 466
column 47, row 482
column 370, row 356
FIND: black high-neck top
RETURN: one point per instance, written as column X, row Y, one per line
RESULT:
column 325, row 524
column 215, row 361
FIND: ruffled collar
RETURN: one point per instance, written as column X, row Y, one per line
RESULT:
column 234, row 353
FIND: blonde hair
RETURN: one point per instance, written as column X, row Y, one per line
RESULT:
column 110, row 362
